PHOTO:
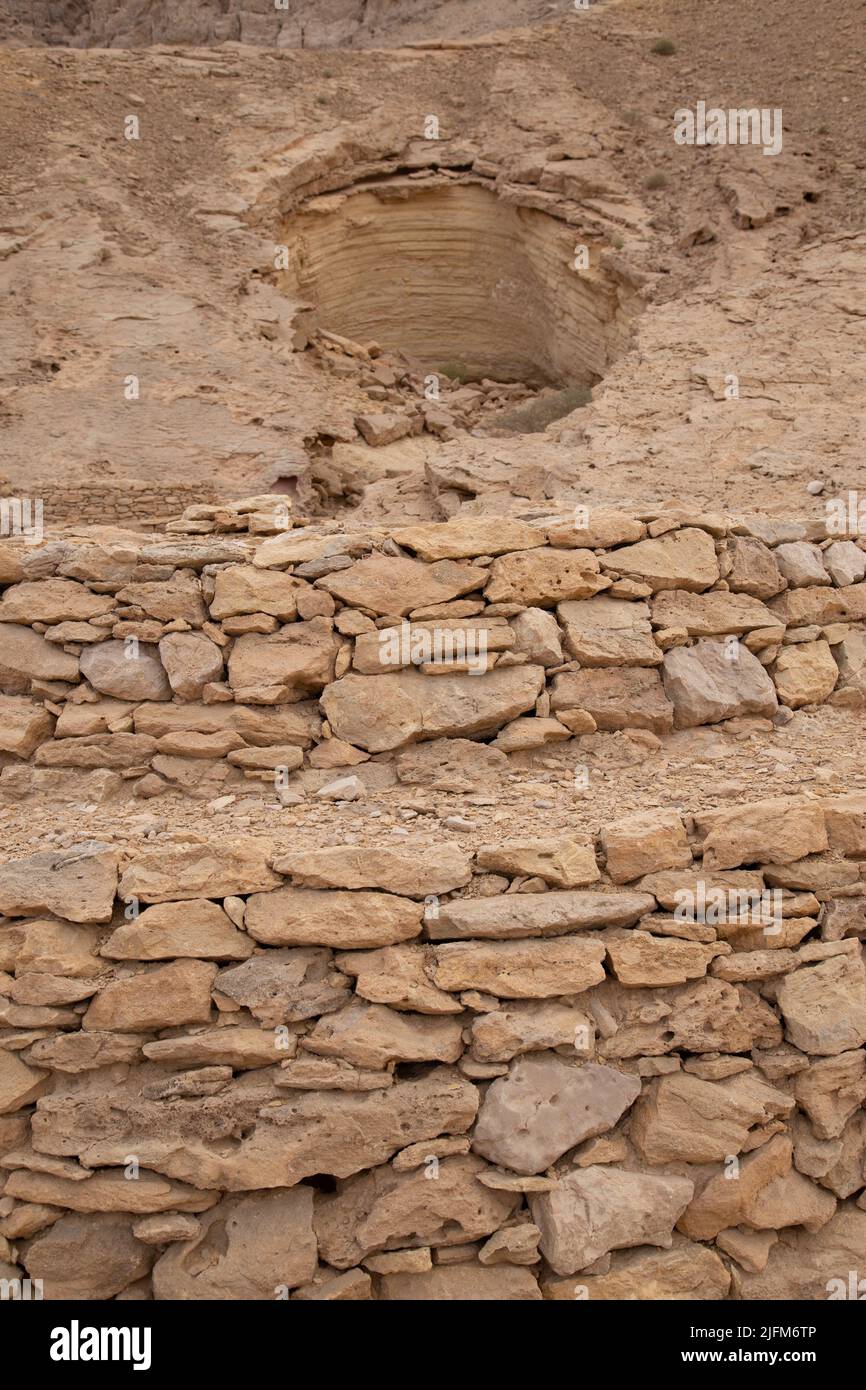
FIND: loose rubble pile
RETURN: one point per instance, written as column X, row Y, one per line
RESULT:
column 242, row 647
column 630, row 1066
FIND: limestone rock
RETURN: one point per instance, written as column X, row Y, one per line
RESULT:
column 398, row 975
column 801, row 563
column 683, row 1273
column 108, row 1190
column 243, row 589
column 27, row 657
column 684, row 559
column 535, row 914
column 285, row 986
column 52, row 601
column 754, row 569
column 723, row 1202
column 778, row 830
column 538, row 635
column 126, row 671
column 467, row 537
column 606, row 631
column 563, row 863
column 237, row 1047
column 630, row 698
column 92, row 1256
column 831, row 1089
column 24, row 724
column 386, row 1210
column 709, row 682
column 640, row 959
column 597, row 528
column 190, row 660
column 287, row 665
column 643, row 843
column 373, row 1036
column 824, row 1006
column 317, row 917
column 545, row 1106
column 200, row 869
column 248, row 1247
column 681, row 1118
column 19, row 1084
column 377, row 713
column 530, row 1026
column 520, row 969
column 415, row 871
column 602, row 1209
column 162, row 998
column 812, row 1265
column 78, row 884
column 196, row 1140
column 387, row 584
column 543, row 577
column 846, row 824
column 805, row 674
column 845, row 563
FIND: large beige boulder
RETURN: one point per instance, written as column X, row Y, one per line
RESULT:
column 534, row 914
column 87, row 1256
column 165, row 997
column 244, row 589
column 387, row 1210
column 25, row 656
column 24, row 724
column 684, row 1273
column 805, row 673
column 374, row 1036
column 561, row 861
column 712, row 681
column 596, row 528
column 546, row 1106
column 713, row 614
column 543, row 577
column 200, row 868
column 317, row 917
column 254, row 1246
column 258, row 725
column 602, row 1209
column 78, row 884
column 390, row 584
column 128, row 671
column 465, row 537
column 399, row 976
column 415, row 871
column 684, row 559
column 284, row 986
column 723, row 1201
column 178, row 597
column 684, row 1119
column 20, row 1084
column 754, row 569
column 197, row 928
column 824, row 1005
column 463, row 1283
column 520, row 969
column 604, row 631
column 382, row 712
column 52, row 601
column 643, row 843
column 778, row 830
column 190, row 660
column 196, row 1139
column 627, row 698
column 531, row 1025
column 286, row 665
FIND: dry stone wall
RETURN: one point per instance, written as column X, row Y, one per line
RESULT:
column 238, row 645
column 626, row 1066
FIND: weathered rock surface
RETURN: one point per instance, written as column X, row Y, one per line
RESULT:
column 545, row 1106
column 604, row 1209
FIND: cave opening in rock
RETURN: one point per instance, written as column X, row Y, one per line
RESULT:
column 459, row 279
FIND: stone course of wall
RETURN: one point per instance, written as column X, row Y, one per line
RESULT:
column 629, row 1065
column 237, row 645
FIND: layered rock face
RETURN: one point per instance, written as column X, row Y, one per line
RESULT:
column 240, row 647
column 495, row 299
column 631, row 1065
